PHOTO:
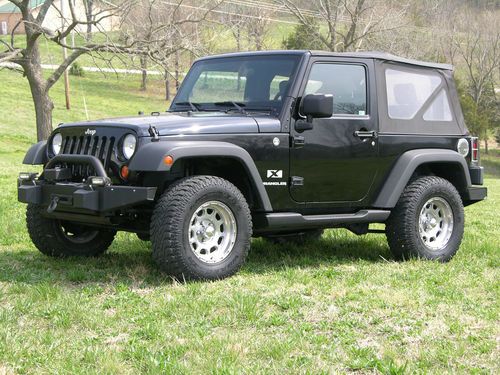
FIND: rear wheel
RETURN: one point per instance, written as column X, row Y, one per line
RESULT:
column 63, row 238
column 201, row 229
column 297, row 238
column 427, row 222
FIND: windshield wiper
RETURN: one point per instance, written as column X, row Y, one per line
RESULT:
column 271, row 111
column 195, row 107
column 238, row 106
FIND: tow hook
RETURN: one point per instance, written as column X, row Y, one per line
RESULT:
column 53, row 205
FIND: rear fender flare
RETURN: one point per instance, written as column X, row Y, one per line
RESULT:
column 149, row 158
column 406, row 165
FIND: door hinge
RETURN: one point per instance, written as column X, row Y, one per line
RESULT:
column 297, row 181
column 298, row 141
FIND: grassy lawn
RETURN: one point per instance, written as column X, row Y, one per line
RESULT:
column 337, row 305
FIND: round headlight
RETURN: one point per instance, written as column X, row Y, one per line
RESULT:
column 57, row 143
column 463, row 147
column 128, row 147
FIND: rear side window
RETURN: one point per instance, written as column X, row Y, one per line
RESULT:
column 439, row 110
column 408, row 92
column 346, row 82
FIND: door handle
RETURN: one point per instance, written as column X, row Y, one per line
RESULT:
column 365, row 134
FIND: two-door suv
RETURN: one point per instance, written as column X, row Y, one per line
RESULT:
column 278, row 144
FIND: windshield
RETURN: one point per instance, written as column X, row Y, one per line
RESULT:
column 240, row 84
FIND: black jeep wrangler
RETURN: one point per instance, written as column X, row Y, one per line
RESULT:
column 275, row 144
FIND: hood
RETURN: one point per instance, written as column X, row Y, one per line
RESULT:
column 188, row 123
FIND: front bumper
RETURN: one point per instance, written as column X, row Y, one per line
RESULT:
column 78, row 197
column 57, row 194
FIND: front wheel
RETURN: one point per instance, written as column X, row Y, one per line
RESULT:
column 201, row 229
column 59, row 238
column 427, row 222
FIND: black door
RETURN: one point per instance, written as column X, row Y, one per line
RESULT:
column 337, row 159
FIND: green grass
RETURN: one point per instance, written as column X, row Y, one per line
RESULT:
column 337, row 305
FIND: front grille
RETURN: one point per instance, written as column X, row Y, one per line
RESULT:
column 100, row 147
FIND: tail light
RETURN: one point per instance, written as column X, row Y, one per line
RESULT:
column 475, row 149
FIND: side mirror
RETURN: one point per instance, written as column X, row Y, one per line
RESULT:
column 317, row 106
column 314, row 106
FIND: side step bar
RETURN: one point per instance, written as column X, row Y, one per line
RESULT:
column 292, row 220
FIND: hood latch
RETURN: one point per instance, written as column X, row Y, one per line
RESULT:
column 153, row 132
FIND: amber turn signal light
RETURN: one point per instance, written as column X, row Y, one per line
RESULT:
column 168, row 160
column 124, row 172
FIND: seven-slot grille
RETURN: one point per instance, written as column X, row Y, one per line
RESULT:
column 100, row 147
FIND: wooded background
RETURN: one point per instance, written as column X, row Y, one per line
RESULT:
column 165, row 36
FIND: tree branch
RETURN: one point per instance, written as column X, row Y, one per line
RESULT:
column 10, row 55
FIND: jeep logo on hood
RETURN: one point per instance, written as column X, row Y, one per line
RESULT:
column 90, row 131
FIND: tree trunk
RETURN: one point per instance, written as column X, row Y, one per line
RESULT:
column 258, row 41
column 176, row 63
column 167, row 86
column 43, row 110
column 144, row 72
column 39, row 92
column 89, row 5
column 238, row 38
column 486, row 145
column 43, row 104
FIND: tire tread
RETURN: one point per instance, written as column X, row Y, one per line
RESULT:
column 167, row 230
column 400, row 226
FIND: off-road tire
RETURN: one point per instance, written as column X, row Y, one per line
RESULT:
column 402, row 227
column 296, row 238
column 48, row 236
column 170, row 226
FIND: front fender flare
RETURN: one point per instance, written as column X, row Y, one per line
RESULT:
column 37, row 154
column 149, row 158
column 407, row 163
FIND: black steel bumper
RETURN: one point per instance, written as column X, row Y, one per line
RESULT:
column 59, row 195
column 69, row 196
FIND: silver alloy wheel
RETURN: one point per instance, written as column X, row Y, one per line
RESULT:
column 436, row 223
column 212, row 232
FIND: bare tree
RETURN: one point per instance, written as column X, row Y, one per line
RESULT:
column 162, row 30
column 161, row 34
column 28, row 56
column 348, row 22
column 258, row 22
column 89, row 13
column 479, row 51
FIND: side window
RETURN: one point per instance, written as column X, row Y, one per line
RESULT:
column 346, row 82
column 408, row 92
